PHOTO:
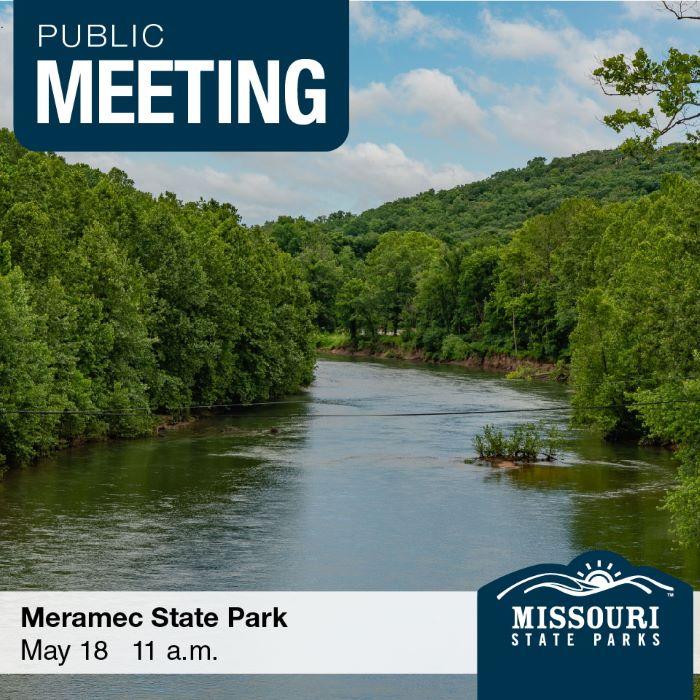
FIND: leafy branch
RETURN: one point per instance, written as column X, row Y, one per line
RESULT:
column 673, row 81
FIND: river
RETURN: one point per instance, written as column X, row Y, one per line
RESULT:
column 295, row 496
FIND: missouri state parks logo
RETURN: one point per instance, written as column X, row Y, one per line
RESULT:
column 597, row 628
column 595, row 577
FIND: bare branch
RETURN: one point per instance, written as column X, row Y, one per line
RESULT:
column 683, row 10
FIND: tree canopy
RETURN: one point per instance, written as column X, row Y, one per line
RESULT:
column 115, row 305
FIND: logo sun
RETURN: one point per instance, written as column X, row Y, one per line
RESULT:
column 601, row 575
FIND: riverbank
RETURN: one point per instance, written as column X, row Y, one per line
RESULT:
column 390, row 348
column 158, row 425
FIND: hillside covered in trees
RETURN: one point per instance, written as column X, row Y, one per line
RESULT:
column 115, row 305
column 502, row 202
column 343, row 255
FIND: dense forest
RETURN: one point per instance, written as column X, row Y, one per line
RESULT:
column 503, row 202
column 492, row 207
column 116, row 306
column 606, row 285
column 475, row 269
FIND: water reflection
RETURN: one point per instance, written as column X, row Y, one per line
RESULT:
column 164, row 513
column 323, row 502
column 616, row 494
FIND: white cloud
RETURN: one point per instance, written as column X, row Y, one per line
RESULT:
column 411, row 22
column 400, row 21
column 478, row 83
column 563, row 115
column 437, row 96
column 518, row 40
column 6, row 23
column 265, row 185
column 425, row 92
column 370, row 101
column 557, row 122
column 573, row 53
column 355, row 177
column 381, row 173
column 367, row 22
column 644, row 11
column 580, row 56
column 645, row 14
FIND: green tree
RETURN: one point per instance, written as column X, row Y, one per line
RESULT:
column 639, row 325
column 357, row 309
column 393, row 270
column 674, row 82
column 671, row 414
column 452, row 295
column 523, row 305
column 26, row 376
column 324, row 274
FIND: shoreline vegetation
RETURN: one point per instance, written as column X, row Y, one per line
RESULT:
column 390, row 348
column 118, row 308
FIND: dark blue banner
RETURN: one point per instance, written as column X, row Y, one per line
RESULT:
column 598, row 628
column 156, row 75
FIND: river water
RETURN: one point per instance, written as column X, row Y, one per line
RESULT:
column 295, row 496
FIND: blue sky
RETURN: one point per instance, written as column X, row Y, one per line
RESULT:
column 442, row 93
